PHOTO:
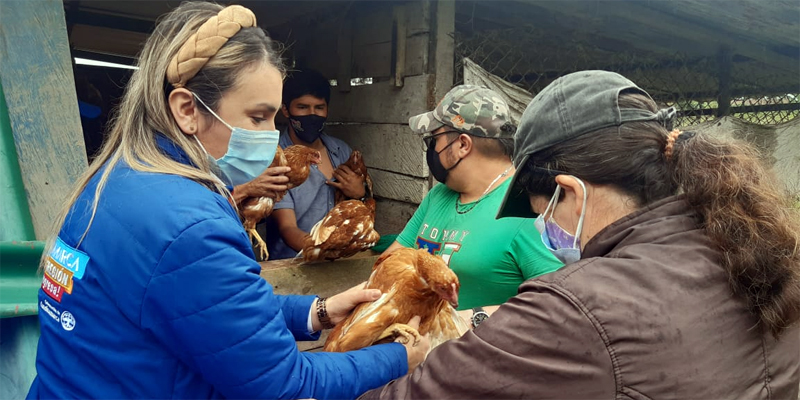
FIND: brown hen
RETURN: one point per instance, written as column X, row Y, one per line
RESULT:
column 413, row 282
column 347, row 229
column 357, row 165
column 255, row 209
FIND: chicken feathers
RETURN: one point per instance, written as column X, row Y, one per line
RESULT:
column 356, row 164
column 255, row 209
column 347, row 229
column 413, row 282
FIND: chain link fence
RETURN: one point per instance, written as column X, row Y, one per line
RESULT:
column 692, row 85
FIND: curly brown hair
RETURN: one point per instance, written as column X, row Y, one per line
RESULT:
column 741, row 206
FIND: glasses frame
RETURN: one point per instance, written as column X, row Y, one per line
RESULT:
column 428, row 139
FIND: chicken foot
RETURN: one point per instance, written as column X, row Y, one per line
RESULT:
column 403, row 332
column 260, row 244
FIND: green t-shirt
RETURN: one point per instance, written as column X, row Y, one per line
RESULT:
column 491, row 257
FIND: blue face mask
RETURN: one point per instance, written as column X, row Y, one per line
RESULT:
column 249, row 152
column 564, row 245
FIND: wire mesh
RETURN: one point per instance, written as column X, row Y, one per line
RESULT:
column 692, row 85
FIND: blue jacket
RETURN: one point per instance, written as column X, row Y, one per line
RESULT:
column 163, row 299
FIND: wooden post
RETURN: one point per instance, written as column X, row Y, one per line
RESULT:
column 399, row 33
column 443, row 49
column 725, row 59
column 36, row 74
column 345, row 45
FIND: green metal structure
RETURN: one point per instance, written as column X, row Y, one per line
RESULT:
column 19, row 281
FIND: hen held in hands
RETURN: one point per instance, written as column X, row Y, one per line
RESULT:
column 357, row 165
column 254, row 209
column 413, row 282
column 347, row 229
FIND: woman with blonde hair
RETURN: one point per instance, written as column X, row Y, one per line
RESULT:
column 150, row 286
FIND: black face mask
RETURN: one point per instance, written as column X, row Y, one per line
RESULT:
column 435, row 163
column 308, row 128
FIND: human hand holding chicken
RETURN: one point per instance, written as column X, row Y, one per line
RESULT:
column 270, row 183
column 413, row 283
column 349, row 227
column 341, row 305
column 350, row 183
column 295, row 163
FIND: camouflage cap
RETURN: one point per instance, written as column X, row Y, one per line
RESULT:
column 470, row 109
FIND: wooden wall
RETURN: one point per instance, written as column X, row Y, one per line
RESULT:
column 407, row 49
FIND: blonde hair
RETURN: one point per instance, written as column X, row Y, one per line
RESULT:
column 144, row 111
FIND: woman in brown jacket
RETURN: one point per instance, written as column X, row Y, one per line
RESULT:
column 684, row 264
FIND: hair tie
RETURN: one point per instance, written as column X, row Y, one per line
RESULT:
column 206, row 42
column 669, row 147
column 666, row 116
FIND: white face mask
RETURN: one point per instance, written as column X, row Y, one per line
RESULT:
column 249, row 152
column 564, row 245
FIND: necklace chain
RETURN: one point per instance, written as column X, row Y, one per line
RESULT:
column 475, row 203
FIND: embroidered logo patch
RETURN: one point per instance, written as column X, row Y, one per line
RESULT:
column 63, row 264
column 67, row 321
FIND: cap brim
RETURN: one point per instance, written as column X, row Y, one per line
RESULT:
column 516, row 202
column 424, row 123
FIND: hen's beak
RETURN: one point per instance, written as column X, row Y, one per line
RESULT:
column 452, row 298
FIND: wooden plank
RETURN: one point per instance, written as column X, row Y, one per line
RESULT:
column 395, row 186
column 724, row 77
column 399, row 45
column 107, row 41
column 444, row 47
column 373, row 26
column 676, row 26
column 77, row 16
column 372, row 60
column 390, row 147
column 345, row 49
column 392, row 216
column 770, row 23
column 372, row 42
column 127, row 8
column 418, row 17
column 417, row 54
column 381, row 102
column 316, row 48
column 37, row 79
column 270, row 14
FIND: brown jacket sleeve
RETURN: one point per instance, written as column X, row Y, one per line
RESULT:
column 540, row 344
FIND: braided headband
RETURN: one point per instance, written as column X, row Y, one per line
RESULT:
column 206, row 42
